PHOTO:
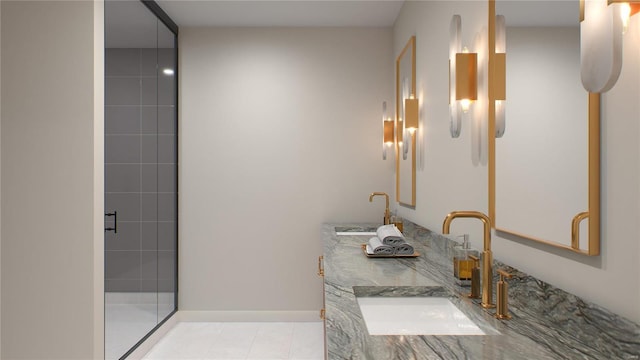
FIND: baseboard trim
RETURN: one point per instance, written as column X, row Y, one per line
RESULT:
column 249, row 316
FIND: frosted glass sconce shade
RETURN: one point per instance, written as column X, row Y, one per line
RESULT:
column 600, row 45
column 466, row 79
column 602, row 24
column 455, row 46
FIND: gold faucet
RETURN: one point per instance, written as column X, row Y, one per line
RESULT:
column 502, row 309
column 487, row 257
column 387, row 213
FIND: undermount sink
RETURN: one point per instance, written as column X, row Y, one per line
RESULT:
column 415, row 315
column 356, row 230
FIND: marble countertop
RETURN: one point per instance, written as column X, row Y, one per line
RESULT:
column 547, row 322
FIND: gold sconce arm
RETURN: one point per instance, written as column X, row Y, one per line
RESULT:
column 575, row 229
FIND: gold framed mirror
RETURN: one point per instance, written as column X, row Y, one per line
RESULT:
column 406, row 109
column 544, row 170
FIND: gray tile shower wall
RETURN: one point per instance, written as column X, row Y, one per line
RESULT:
column 140, row 172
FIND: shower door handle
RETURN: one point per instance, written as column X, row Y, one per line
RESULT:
column 115, row 222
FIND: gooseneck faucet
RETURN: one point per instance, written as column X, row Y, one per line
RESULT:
column 487, row 257
column 387, row 213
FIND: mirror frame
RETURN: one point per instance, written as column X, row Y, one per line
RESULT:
column 593, row 213
column 410, row 46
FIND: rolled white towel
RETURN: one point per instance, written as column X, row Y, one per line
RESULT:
column 377, row 247
column 390, row 235
column 404, row 249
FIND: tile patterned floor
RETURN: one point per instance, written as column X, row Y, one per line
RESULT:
column 268, row 340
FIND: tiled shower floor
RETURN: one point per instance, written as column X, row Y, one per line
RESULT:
column 130, row 316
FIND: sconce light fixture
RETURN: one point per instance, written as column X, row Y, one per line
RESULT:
column 411, row 114
column 500, row 75
column 463, row 77
column 410, row 122
column 466, row 78
column 387, row 131
column 602, row 24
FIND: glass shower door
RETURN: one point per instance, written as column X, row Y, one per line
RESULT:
column 167, row 172
column 140, row 175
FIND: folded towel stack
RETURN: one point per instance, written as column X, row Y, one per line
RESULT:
column 404, row 249
column 375, row 246
column 389, row 241
column 390, row 235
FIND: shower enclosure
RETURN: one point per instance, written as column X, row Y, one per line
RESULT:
column 140, row 173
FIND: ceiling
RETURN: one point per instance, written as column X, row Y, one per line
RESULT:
column 287, row 13
column 130, row 24
column 540, row 13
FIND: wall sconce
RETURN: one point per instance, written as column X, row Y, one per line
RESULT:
column 500, row 75
column 466, row 78
column 463, row 77
column 408, row 125
column 411, row 114
column 387, row 131
column 410, row 122
column 602, row 24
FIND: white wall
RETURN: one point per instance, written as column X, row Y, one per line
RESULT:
column 454, row 176
column 52, row 180
column 0, row 181
column 280, row 131
column 456, row 179
column 98, row 179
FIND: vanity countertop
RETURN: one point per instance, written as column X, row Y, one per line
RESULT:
column 547, row 323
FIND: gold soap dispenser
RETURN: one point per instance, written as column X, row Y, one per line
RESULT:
column 462, row 263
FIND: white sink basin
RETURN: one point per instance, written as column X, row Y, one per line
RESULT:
column 415, row 316
column 352, row 233
column 355, row 230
